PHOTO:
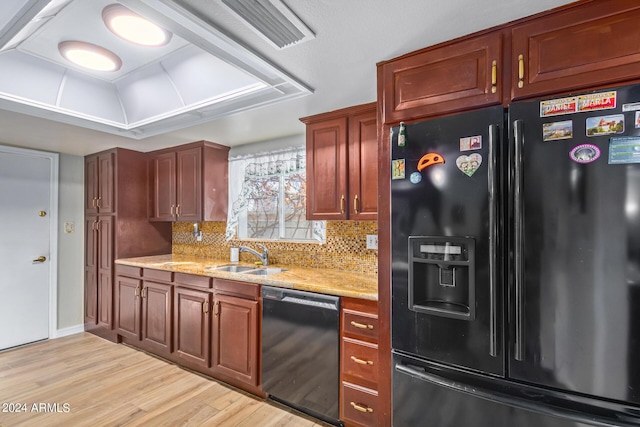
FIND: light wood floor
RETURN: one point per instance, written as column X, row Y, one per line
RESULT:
column 106, row 384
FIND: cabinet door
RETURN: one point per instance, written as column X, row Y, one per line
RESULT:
column 105, row 271
column 128, row 306
column 235, row 338
column 192, row 325
column 91, row 189
column 157, row 300
column 593, row 44
column 163, row 167
column 453, row 77
column 189, row 185
column 363, row 166
column 326, row 170
column 106, row 183
column 91, row 272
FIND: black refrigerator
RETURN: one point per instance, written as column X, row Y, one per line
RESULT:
column 516, row 264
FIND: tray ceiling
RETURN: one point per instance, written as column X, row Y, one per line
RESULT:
column 200, row 75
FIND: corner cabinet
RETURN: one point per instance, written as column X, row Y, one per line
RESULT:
column 342, row 164
column 116, row 226
column 189, row 183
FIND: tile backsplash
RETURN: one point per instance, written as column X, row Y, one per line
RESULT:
column 345, row 248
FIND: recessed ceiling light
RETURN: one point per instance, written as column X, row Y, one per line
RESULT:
column 132, row 27
column 90, row 56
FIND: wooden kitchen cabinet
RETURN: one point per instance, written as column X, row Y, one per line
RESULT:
column 192, row 325
column 98, row 271
column 359, row 363
column 236, row 332
column 189, row 183
column 342, row 166
column 116, row 226
column 99, row 183
column 588, row 45
column 449, row 77
column 235, row 338
column 143, row 311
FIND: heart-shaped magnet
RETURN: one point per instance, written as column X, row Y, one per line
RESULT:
column 469, row 164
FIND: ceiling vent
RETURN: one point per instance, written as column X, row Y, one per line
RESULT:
column 271, row 20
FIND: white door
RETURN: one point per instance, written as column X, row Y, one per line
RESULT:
column 25, row 190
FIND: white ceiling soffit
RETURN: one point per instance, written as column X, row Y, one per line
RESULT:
column 272, row 20
column 202, row 74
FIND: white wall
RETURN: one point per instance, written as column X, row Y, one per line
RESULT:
column 71, row 245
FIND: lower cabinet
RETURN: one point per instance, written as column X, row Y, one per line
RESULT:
column 143, row 312
column 212, row 326
column 192, row 322
column 359, row 363
column 235, row 334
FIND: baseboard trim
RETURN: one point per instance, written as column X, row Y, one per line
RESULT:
column 71, row 330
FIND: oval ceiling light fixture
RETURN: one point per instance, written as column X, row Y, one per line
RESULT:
column 90, row 56
column 133, row 28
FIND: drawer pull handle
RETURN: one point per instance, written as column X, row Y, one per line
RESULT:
column 361, row 362
column 364, row 409
column 342, row 204
column 361, row 325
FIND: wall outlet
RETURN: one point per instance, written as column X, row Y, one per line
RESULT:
column 372, row 241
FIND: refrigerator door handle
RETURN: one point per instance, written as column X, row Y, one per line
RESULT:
column 493, row 240
column 518, row 241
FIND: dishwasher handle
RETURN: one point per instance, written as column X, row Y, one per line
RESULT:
column 311, row 299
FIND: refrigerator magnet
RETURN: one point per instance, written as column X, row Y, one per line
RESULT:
column 429, row 159
column 584, row 153
column 605, row 125
column 469, row 164
column 637, row 119
column 415, row 177
column 397, row 169
column 597, row 101
column 557, row 130
column 471, row 143
column 624, row 150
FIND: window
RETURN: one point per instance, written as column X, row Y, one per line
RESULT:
column 267, row 195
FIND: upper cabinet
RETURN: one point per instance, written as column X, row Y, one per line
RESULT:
column 588, row 45
column 342, row 164
column 449, row 77
column 189, row 183
column 99, row 185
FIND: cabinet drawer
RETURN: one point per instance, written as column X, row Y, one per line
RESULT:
column 163, row 276
column 359, row 324
column 360, row 360
column 359, row 405
column 240, row 289
column 127, row 270
column 193, row 280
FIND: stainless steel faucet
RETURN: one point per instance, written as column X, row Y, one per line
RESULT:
column 263, row 257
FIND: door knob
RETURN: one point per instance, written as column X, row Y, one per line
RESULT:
column 40, row 259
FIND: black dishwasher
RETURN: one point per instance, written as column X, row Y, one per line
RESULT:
column 300, row 350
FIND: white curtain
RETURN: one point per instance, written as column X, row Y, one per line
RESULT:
column 246, row 173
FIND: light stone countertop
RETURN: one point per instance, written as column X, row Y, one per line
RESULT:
column 324, row 281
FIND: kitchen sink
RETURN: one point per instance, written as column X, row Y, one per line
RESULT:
column 233, row 268
column 265, row 271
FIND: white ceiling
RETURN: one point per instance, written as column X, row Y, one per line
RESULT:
column 339, row 65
